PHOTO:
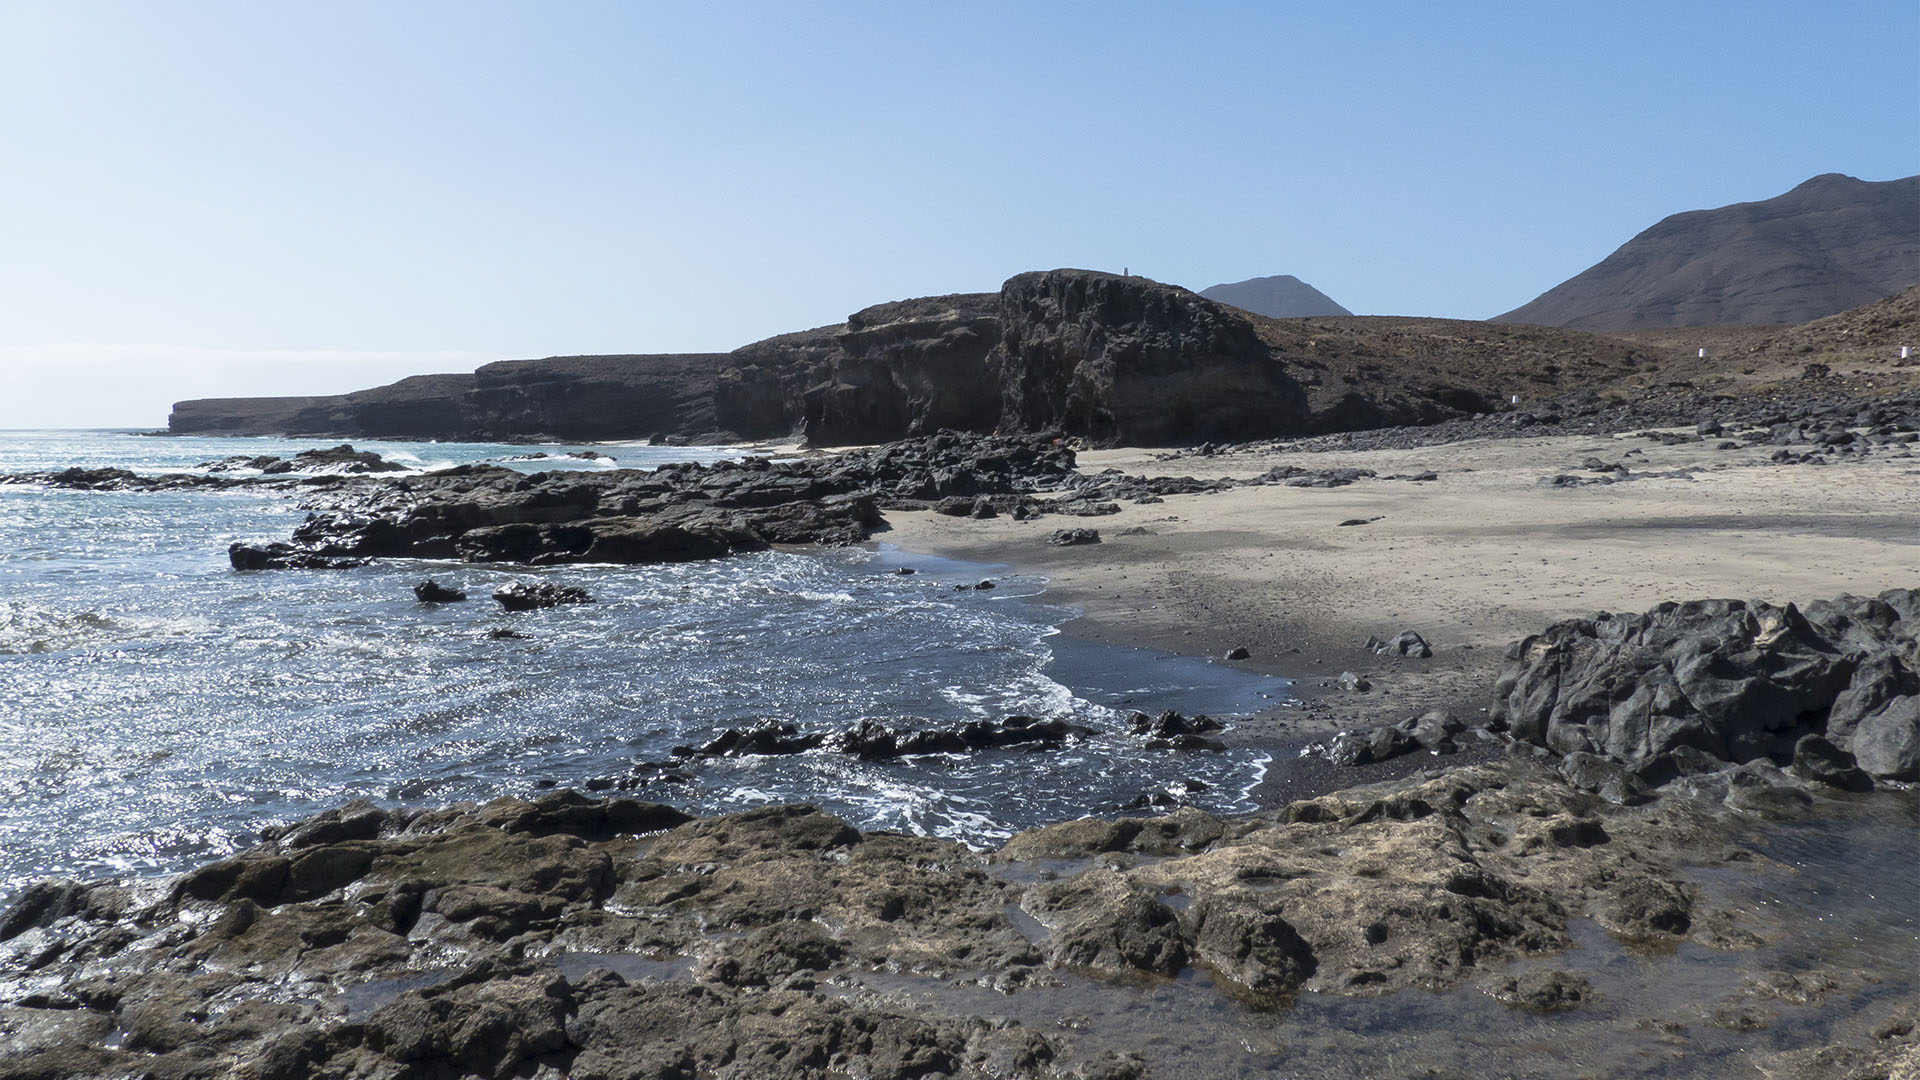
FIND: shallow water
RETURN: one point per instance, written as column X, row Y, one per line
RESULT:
column 1839, row 895
column 158, row 708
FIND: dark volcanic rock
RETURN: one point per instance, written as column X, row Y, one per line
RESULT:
column 432, row 592
column 527, row 596
column 1073, row 537
column 892, row 371
column 1738, row 682
column 873, row 740
column 1404, row 643
column 1817, row 759
column 1172, row 731
column 279, row 556
column 672, row 514
column 343, row 458
column 1125, row 359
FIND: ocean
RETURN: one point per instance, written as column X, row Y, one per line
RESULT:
column 158, row 708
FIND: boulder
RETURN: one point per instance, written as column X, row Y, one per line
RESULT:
column 432, row 592
column 1404, row 643
column 1816, row 759
column 1887, row 742
column 526, row 596
column 1733, row 680
column 1073, row 537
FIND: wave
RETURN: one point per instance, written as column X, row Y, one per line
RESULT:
column 27, row 629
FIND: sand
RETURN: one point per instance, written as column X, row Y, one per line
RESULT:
column 1479, row 557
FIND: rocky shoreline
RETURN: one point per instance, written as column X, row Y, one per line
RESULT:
column 574, row 936
column 1617, row 798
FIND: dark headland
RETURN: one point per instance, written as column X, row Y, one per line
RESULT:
column 1615, row 693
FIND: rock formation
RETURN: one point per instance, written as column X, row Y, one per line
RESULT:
column 1097, row 356
column 1831, row 244
column 1690, row 687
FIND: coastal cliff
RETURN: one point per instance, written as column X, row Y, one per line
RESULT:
column 1108, row 358
column 560, row 397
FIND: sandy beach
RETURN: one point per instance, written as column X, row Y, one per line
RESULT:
column 1480, row 556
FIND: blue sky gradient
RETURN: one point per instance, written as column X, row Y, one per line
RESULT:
column 255, row 198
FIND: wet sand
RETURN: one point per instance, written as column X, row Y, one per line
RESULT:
column 1478, row 557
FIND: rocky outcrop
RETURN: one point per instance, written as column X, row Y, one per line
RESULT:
column 891, row 371
column 1684, row 686
column 1123, row 359
column 875, row 740
column 584, row 937
column 1831, row 244
column 677, row 513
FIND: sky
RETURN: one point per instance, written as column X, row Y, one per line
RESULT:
column 244, row 199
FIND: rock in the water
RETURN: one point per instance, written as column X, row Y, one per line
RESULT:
column 432, row 592
column 1816, row 759
column 526, row 596
column 872, row 740
column 1887, row 742
column 1172, row 731
column 280, row 556
column 342, row 458
column 1541, row 991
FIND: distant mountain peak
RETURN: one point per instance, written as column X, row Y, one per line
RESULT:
column 1281, row 296
column 1832, row 243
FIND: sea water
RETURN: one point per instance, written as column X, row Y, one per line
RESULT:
column 158, row 708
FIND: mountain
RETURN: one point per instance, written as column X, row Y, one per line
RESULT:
column 1281, row 296
column 1831, row 244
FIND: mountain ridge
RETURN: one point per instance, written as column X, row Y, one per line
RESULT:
column 1830, row 244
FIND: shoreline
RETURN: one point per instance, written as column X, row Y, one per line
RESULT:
column 609, row 936
column 1480, row 557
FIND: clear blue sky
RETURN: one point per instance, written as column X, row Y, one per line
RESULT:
column 306, row 197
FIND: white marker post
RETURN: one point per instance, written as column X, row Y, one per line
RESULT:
column 1906, row 351
column 1703, row 354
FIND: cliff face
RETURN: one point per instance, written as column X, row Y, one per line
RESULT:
column 891, row 371
column 594, row 397
column 1125, row 359
column 566, row 397
column 1831, row 244
column 1105, row 357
